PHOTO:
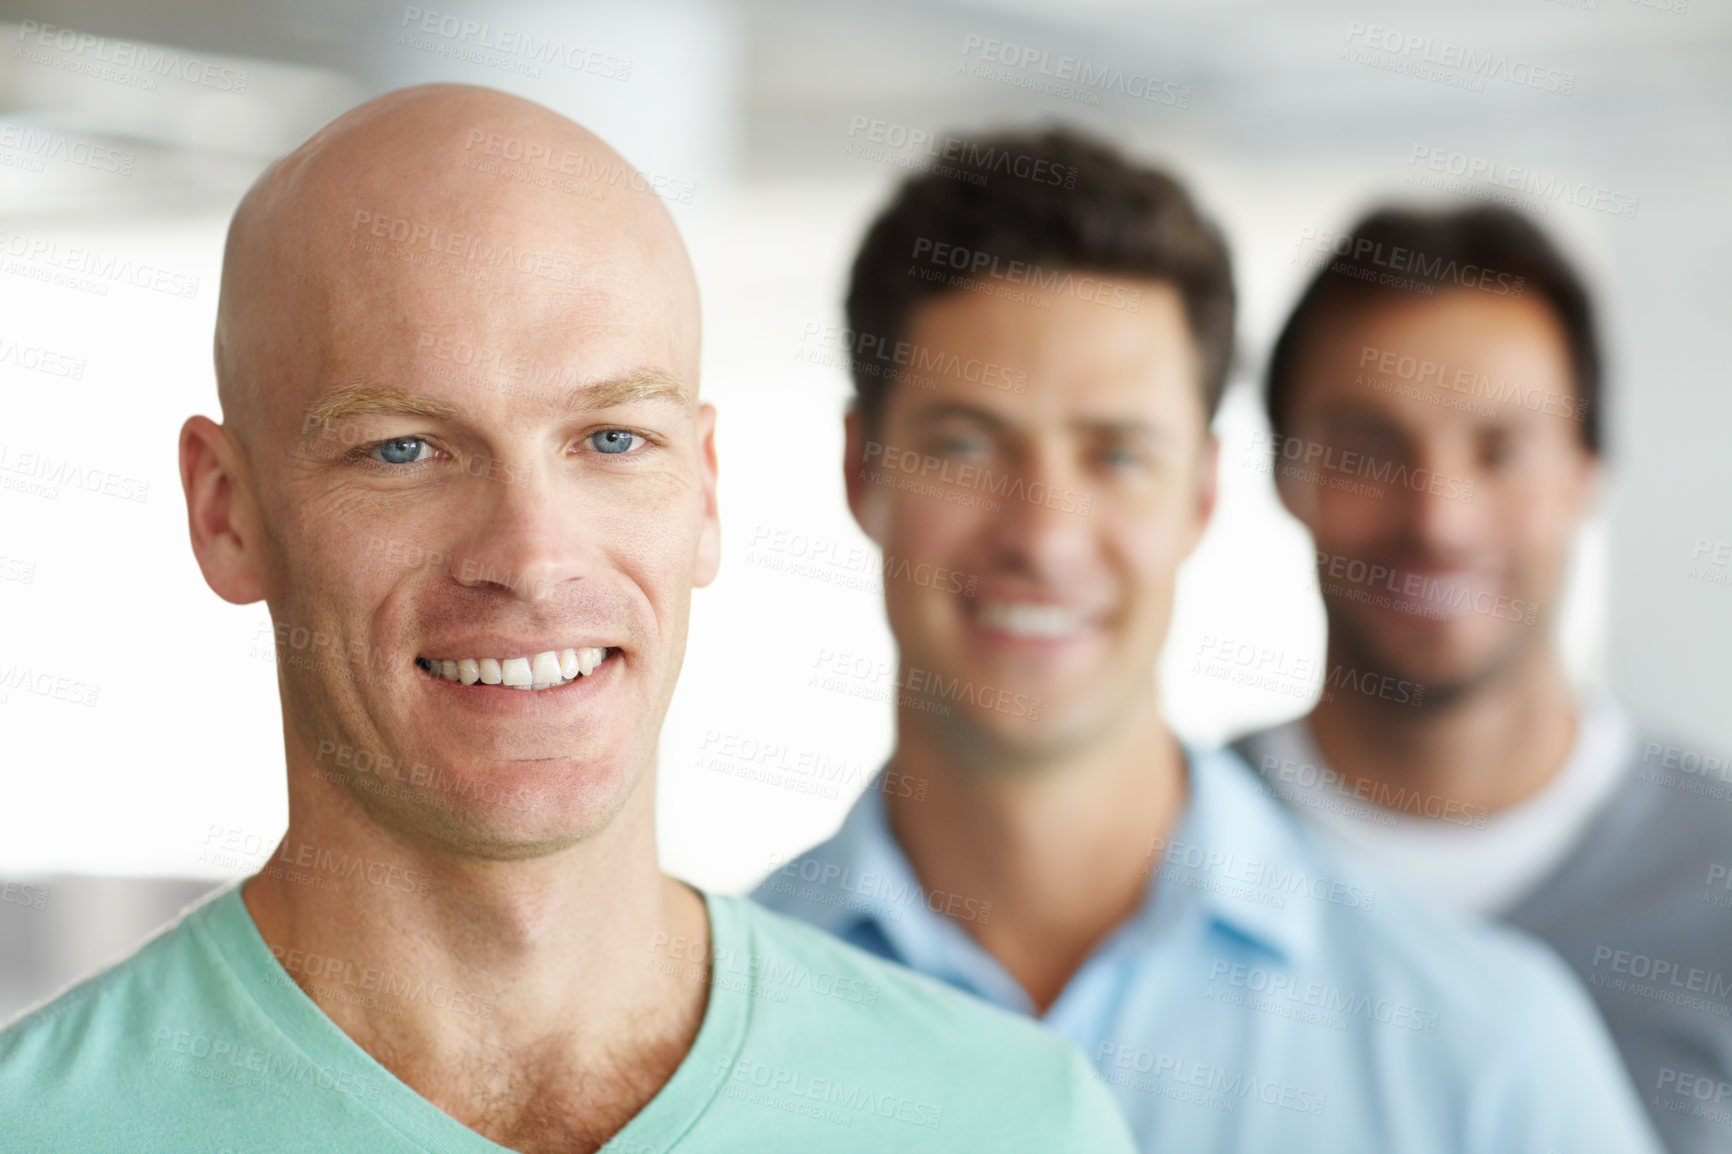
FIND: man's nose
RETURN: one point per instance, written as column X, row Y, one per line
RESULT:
column 1439, row 494
column 1042, row 526
column 527, row 533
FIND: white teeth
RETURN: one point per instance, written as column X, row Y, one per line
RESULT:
column 1024, row 620
column 546, row 670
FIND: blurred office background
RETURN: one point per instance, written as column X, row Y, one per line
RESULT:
column 156, row 771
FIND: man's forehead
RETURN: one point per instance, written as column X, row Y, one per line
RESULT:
column 1127, row 403
column 596, row 320
column 379, row 254
column 455, row 399
column 1460, row 318
column 1052, row 334
column 367, row 307
column 1062, row 373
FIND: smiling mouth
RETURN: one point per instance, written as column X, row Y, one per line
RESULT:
column 1031, row 621
column 548, row 669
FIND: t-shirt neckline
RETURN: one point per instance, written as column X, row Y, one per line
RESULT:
column 228, row 929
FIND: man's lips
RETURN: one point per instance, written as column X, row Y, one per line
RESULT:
column 536, row 670
column 1031, row 620
column 1438, row 594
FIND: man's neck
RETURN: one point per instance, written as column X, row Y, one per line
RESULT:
column 539, row 1002
column 1058, row 847
column 1489, row 747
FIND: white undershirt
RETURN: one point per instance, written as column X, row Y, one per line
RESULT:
column 1472, row 862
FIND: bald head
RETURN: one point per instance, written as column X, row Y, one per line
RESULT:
column 457, row 349
column 436, row 212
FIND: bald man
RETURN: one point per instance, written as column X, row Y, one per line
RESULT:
column 465, row 463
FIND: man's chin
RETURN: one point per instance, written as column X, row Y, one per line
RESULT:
column 489, row 842
column 1023, row 728
column 1440, row 676
column 504, row 810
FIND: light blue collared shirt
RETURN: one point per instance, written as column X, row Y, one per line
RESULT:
column 1270, row 993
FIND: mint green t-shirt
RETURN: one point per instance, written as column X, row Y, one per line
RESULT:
column 202, row 1043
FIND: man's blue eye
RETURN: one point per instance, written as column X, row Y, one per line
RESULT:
column 1122, row 458
column 613, row 441
column 401, row 451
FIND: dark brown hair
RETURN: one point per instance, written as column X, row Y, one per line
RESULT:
column 1391, row 253
column 1056, row 200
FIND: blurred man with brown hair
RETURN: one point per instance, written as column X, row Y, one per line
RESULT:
column 1450, row 360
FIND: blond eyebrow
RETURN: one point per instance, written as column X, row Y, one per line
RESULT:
column 649, row 385
column 351, row 399
column 348, row 400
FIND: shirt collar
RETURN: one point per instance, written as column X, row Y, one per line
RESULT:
column 1237, row 861
column 1248, row 865
column 878, row 887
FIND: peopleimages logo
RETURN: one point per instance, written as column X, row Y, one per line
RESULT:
column 1349, row 462
column 1290, row 776
column 537, row 163
column 422, row 239
column 1465, row 171
column 801, row 1084
column 1169, row 1074
column 98, row 56
column 1662, row 973
column 1339, row 574
column 37, row 359
column 88, row 269
column 934, row 471
column 976, row 158
column 41, row 467
column 881, row 890
column 1474, row 385
column 1069, row 77
column 40, row 145
column 872, row 355
column 1429, row 58
column 516, row 50
column 1350, row 255
column 968, row 263
column 33, row 897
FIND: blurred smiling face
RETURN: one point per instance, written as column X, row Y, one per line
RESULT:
column 500, row 557
column 1057, row 471
column 1449, row 577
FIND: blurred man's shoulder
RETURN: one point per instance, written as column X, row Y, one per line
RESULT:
column 1637, row 880
column 981, row 1069
column 1675, row 783
column 803, row 886
column 1496, row 981
column 891, row 999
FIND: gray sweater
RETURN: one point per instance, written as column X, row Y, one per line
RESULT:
column 1641, row 908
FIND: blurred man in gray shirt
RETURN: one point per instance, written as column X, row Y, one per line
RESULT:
column 1436, row 413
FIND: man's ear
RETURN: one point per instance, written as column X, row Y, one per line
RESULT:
column 222, row 512
column 709, row 560
column 1208, row 490
column 870, row 503
column 1297, row 496
column 1588, row 483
